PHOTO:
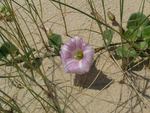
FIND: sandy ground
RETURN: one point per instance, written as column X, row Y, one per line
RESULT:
column 106, row 93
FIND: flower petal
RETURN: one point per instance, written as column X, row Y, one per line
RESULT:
column 87, row 60
column 85, row 64
column 77, row 41
column 88, row 52
column 72, row 66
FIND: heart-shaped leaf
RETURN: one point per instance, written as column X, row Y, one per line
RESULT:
column 8, row 48
column 108, row 35
column 55, row 42
column 138, row 22
column 125, row 52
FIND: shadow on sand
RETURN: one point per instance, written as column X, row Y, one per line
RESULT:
column 94, row 79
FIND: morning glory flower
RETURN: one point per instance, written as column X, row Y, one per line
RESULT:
column 77, row 56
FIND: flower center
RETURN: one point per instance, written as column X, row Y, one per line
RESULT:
column 78, row 55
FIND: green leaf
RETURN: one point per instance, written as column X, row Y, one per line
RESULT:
column 108, row 35
column 125, row 52
column 2, row 7
column 137, row 19
column 142, row 45
column 130, row 35
column 8, row 48
column 121, row 51
column 146, row 32
column 55, row 42
column 132, row 53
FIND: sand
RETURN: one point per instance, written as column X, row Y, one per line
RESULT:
column 106, row 95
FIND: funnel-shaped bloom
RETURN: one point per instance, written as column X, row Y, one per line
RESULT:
column 77, row 56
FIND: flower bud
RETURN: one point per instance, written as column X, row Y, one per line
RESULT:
column 49, row 31
column 111, row 16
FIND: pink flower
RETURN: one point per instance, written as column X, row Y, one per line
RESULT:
column 77, row 56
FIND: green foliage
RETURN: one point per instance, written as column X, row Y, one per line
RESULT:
column 137, row 35
column 142, row 45
column 35, row 64
column 5, row 12
column 108, row 35
column 138, row 22
column 146, row 33
column 55, row 42
column 130, row 35
column 8, row 48
column 125, row 52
